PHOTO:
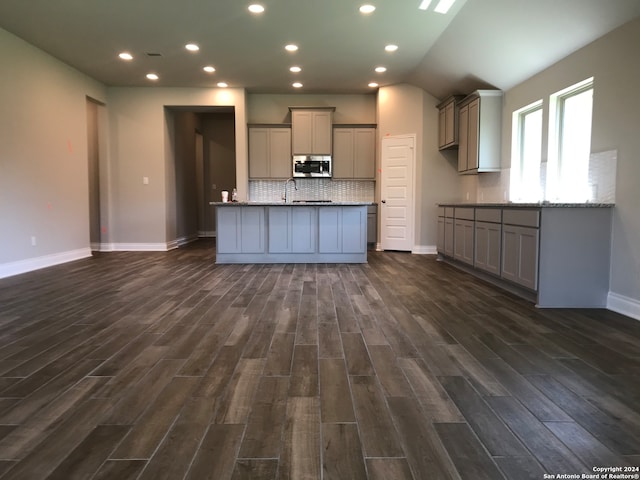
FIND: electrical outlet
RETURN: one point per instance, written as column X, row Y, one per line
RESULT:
column 213, row 186
column 145, row 180
column 33, row 241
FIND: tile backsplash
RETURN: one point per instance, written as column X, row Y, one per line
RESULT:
column 313, row 189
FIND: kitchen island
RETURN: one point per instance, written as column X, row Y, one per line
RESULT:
column 297, row 232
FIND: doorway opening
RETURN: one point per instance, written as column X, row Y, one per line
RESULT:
column 204, row 163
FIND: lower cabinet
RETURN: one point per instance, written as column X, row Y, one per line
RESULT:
column 342, row 230
column 292, row 229
column 463, row 241
column 520, row 255
column 463, row 234
column 555, row 256
column 488, row 246
column 240, row 230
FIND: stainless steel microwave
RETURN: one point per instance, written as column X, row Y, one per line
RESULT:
column 312, row 166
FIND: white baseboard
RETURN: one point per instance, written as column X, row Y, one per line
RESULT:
column 30, row 264
column 137, row 247
column 425, row 250
column 624, row 305
column 182, row 241
column 206, row 234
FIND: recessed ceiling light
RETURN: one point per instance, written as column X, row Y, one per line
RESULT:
column 152, row 76
column 291, row 47
column 381, row 69
column 256, row 8
column 223, row 84
column 443, row 6
column 209, row 69
column 296, row 85
column 367, row 9
column 295, row 69
column 192, row 47
column 373, row 85
column 126, row 56
column 391, row 48
column 424, row 4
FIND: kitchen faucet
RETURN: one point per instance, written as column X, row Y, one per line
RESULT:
column 284, row 196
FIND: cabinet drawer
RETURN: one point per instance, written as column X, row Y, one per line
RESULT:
column 493, row 215
column 522, row 217
column 464, row 213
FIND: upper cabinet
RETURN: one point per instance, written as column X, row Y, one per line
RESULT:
column 354, row 152
column 270, row 152
column 448, row 123
column 311, row 130
column 480, row 119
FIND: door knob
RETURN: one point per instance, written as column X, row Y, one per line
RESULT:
column 384, row 201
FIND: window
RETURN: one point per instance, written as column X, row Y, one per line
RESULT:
column 526, row 153
column 570, row 143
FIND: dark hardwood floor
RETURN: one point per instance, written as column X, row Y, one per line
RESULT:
column 166, row 366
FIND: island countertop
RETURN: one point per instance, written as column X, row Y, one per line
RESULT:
column 527, row 205
column 304, row 203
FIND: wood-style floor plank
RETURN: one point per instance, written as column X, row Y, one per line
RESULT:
column 164, row 365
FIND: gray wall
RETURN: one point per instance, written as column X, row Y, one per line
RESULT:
column 43, row 158
column 612, row 61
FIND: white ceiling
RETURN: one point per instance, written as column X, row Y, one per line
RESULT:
column 479, row 43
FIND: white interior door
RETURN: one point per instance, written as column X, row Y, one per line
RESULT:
column 397, row 193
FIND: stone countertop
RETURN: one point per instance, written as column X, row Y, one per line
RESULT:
column 529, row 205
column 291, row 204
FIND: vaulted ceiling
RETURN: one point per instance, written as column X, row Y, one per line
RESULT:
column 478, row 43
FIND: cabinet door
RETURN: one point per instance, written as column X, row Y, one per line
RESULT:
column 364, row 153
column 472, row 135
column 303, row 229
column 280, row 153
column 449, row 124
column 463, row 140
column 354, row 229
column 252, row 229
column 441, row 235
column 463, row 241
column 520, row 255
column 330, row 230
column 343, row 152
column 321, row 134
column 487, row 246
column 448, row 237
column 442, row 127
column 258, row 152
column 302, row 132
column 279, row 229
column 228, row 229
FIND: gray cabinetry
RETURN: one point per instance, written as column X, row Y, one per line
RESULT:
column 488, row 239
column 311, row 130
column 448, row 123
column 243, row 230
column 480, row 120
column 269, row 152
column 342, row 230
column 292, row 229
column 463, row 235
column 520, row 247
column 354, row 153
column 556, row 255
column 372, row 223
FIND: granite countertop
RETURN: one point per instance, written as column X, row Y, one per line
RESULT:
column 305, row 203
column 529, row 205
